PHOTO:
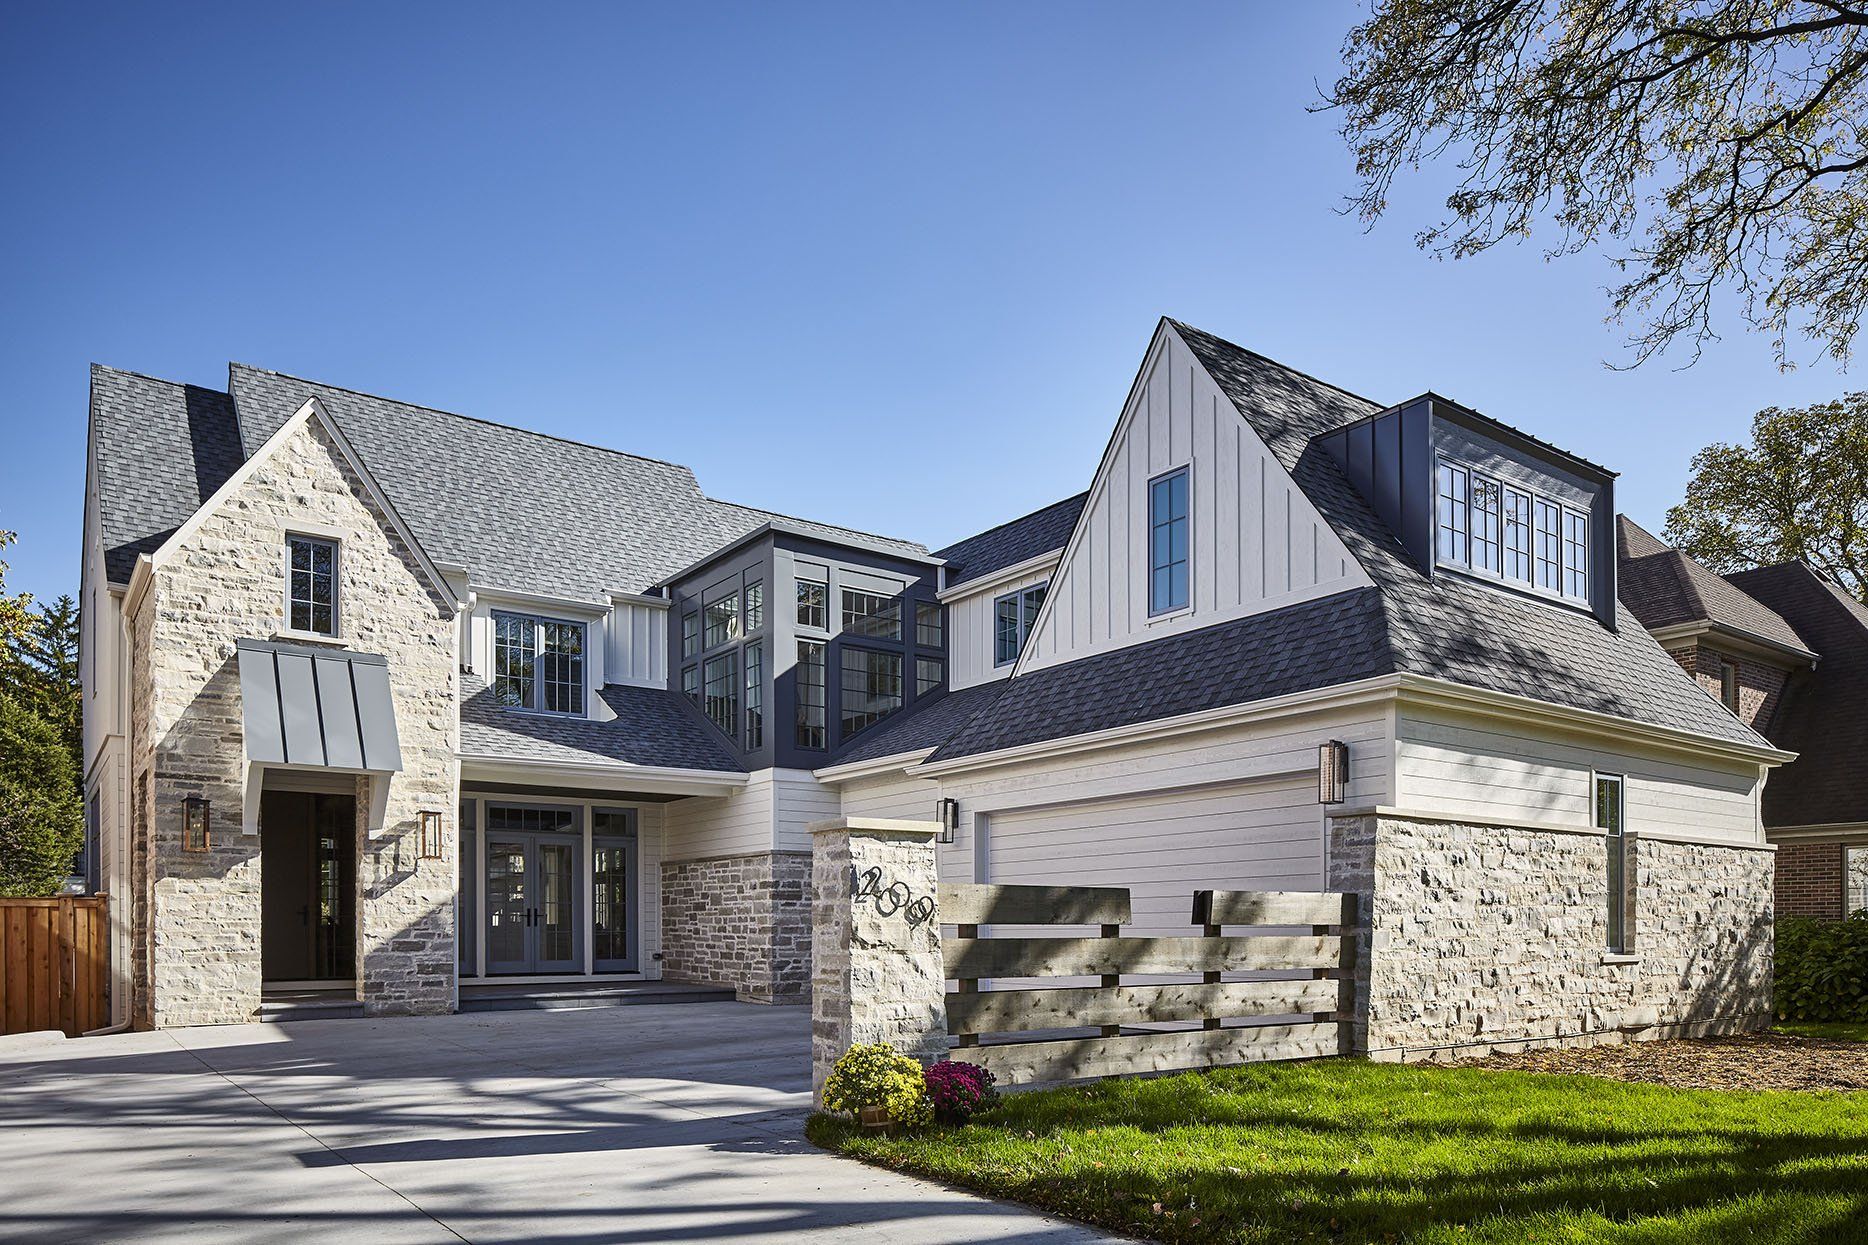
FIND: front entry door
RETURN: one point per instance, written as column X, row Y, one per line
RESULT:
column 307, row 885
column 534, row 920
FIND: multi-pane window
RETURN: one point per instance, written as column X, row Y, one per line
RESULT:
column 1517, row 535
column 690, row 635
column 1168, row 543
column 755, row 607
column 1549, row 541
column 722, row 620
column 1609, row 815
column 1012, row 617
column 1728, row 685
column 755, row 696
column 810, row 695
column 930, row 673
column 929, row 629
column 1451, row 520
column 872, row 687
column 813, row 604
column 720, row 691
column 872, row 614
column 538, row 663
column 312, row 593
column 1575, row 554
column 690, row 683
column 1485, row 507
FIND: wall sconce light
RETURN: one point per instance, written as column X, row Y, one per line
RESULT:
column 431, row 836
column 1332, row 772
column 947, row 813
column 195, row 824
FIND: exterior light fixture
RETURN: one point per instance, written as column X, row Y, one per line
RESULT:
column 195, row 824
column 947, row 813
column 431, row 836
column 1332, row 772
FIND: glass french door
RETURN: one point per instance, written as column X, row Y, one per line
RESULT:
column 534, row 922
column 613, row 890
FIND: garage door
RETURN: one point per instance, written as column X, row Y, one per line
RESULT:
column 1164, row 846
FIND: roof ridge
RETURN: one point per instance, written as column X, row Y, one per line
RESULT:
column 798, row 518
column 475, row 419
column 160, row 380
column 1017, row 519
column 1265, row 358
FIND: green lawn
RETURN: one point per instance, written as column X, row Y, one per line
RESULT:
column 1349, row 1151
column 1834, row 1030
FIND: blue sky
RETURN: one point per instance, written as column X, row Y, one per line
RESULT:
column 881, row 265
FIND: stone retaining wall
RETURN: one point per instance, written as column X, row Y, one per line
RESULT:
column 1490, row 937
column 740, row 921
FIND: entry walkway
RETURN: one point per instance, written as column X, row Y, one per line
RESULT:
column 661, row 1123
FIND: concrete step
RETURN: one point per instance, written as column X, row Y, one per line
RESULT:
column 278, row 1011
column 496, row 998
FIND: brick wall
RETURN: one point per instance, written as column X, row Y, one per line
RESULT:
column 1759, row 683
column 740, row 921
column 1809, row 880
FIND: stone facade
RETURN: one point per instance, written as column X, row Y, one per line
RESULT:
column 740, row 921
column 878, row 974
column 1489, row 937
column 196, row 957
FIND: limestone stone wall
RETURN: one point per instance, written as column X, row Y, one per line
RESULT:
column 740, row 921
column 1486, row 937
column 227, row 582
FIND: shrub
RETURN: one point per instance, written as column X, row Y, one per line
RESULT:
column 957, row 1090
column 878, row 1075
column 1822, row 969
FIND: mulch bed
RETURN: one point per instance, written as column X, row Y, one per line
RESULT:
column 1748, row 1061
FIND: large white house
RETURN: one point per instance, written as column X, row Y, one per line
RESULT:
column 392, row 701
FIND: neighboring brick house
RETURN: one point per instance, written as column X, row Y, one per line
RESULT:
column 392, row 701
column 1786, row 651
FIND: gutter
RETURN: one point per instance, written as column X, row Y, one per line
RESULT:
column 874, row 765
column 651, row 778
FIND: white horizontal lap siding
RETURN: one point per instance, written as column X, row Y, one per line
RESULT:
column 901, row 798
column 798, row 800
column 1489, row 772
column 706, row 827
column 1256, row 542
column 650, row 835
column 970, row 640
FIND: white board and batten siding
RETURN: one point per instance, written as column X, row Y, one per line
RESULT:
column 637, row 644
column 1483, row 769
column 1257, row 543
column 970, row 635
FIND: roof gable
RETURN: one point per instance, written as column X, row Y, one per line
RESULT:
column 1664, row 587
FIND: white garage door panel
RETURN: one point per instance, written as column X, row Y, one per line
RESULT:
column 1165, row 846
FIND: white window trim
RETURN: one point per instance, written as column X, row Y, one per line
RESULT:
column 324, row 537
column 1024, row 631
column 1148, row 536
column 538, row 646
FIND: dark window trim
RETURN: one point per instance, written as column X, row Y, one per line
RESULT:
column 535, row 700
column 1167, row 611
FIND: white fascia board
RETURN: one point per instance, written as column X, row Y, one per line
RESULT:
column 640, row 598
column 1748, row 642
column 871, row 767
column 1340, row 695
column 652, row 779
column 1443, row 693
column 582, row 606
column 1004, row 575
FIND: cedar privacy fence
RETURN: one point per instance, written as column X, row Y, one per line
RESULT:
column 881, row 964
column 52, row 962
column 1143, row 1027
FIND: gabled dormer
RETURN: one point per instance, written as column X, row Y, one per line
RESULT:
column 1467, row 495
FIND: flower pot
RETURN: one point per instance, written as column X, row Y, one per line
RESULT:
column 873, row 1117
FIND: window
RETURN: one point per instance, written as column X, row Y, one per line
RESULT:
column 1167, row 543
column 1609, row 809
column 872, row 687
column 538, row 663
column 1728, row 685
column 872, row 614
column 810, row 690
column 814, row 604
column 929, row 626
column 720, row 691
column 755, row 695
column 1485, row 503
column 690, row 683
column 312, row 591
column 755, row 607
column 930, row 673
column 1012, row 617
column 1451, row 518
column 722, row 616
column 1549, row 556
column 1575, row 554
column 1517, row 536
column 690, row 635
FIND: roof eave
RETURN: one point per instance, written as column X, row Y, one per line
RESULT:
column 1738, row 636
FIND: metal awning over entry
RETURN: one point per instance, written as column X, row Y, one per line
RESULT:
column 317, row 708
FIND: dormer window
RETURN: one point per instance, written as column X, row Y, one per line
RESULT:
column 1503, row 531
column 538, row 663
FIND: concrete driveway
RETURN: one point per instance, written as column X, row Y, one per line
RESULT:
column 652, row 1123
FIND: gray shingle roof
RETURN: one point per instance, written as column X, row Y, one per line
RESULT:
column 653, row 726
column 1012, row 542
column 1823, row 714
column 1663, row 587
column 923, row 726
column 1444, row 627
column 158, row 450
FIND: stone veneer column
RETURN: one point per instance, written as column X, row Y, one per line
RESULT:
column 876, row 973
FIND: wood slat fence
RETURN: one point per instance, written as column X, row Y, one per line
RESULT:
column 52, row 964
column 1238, row 1021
